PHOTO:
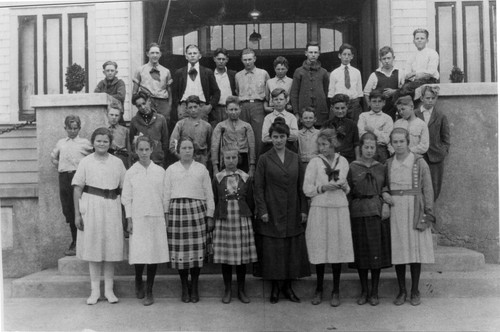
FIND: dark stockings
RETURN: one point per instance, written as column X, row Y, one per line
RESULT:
column 195, row 274
column 150, row 271
column 336, row 269
column 185, row 286
column 401, row 274
column 320, row 276
column 415, row 276
column 363, row 278
column 375, row 281
column 73, row 232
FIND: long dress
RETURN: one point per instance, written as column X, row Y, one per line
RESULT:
column 233, row 236
column 188, row 198
column 408, row 244
column 328, row 232
column 102, row 237
column 280, row 242
column 371, row 236
column 142, row 197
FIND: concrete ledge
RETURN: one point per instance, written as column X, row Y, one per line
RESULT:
column 74, row 99
column 468, row 89
column 19, row 191
column 482, row 283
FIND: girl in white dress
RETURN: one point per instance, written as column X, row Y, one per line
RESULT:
column 411, row 214
column 142, row 197
column 328, row 232
column 98, row 213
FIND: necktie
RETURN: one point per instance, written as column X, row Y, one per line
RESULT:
column 347, row 78
column 155, row 74
column 192, row 73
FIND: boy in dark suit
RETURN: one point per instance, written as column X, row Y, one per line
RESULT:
column 195, row 80
column 225, row 82
column 439, row 135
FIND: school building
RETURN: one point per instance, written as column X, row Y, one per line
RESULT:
column 38, row 41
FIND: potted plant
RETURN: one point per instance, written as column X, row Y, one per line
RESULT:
column 457, row 75
column 75, row 78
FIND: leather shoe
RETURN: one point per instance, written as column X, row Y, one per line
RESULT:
column 374, row 300
column 415, row 298
column 243, row 297
column 289, row 294
column 335, row 301
column 318, row 297
column 275, row 295
column 139, row 290
column 363, row 298
column 400, row 299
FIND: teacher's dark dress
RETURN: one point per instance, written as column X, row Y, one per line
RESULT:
column 281, row 244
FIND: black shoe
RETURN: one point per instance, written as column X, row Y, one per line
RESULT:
column 400, row 299
column 289, row 294
column 139, row 289
column 275, row 294
column 318, row 297
column 242, row 296
column 415, row 298
column 363, row 298
column 71, row 251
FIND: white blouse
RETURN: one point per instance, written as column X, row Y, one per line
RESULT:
column 193, row 182
column 316, row 177
column 142, row 193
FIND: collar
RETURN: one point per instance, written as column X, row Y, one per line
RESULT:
column 281, row 79
column 250, row 71
column 216, row 72
column 379, row 69
column 150, row 65
column 373, row 113
column 196, row 66
column 423, row 109
column 326, row 159
column 113, row 82
column 72, row 139
column 276, row 113
column 221, row 175
column 310, row 130
column 343, row 66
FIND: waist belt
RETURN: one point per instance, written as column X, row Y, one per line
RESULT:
column 407, row 192
column 230, row 197
column 106, row 193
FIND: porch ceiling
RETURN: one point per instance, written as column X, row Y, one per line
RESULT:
column 213, row 12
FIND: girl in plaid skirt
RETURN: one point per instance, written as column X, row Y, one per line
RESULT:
column 233, row 235
column 189, row 202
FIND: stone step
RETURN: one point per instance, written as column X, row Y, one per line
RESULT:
column 482, row 283
column 447, row 259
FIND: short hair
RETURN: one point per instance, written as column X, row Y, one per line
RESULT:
column 340, row 98
column 313, row 43
column 139, row 95
column 230, row 147
column 385, row 50
column 107, row 63
column 193, row 99
column 153, row 45
column 346, row 46
column 330, row 135
column 144, row 138
column 219, row 51
column 102, row 131
column 434, row 89
column 406, row 99
column 279, row 126
column 72, row 119
column 115, row 104
column 247, row 51
column 192, row 46
column 309, row 109
column 420, row 30
column 183, row 139
column 278, row 91
column 377, row 93
column 281, row 60
column 233, row 100
column 403, row 131
column 367, row 137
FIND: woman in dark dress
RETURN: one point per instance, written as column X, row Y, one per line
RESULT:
column 281, row 213
column 370, row 229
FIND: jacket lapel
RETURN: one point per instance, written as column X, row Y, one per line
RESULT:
column 433, row 117
column 277, row 160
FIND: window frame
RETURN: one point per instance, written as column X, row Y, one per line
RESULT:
column 479, row 4
column 24, row 114
column 46, row 17
column 71, row 16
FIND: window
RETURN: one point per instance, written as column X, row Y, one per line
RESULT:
column 48, row 42
column 473, row 41
column 27, row 65
column 446, row 41
column 275, row 36
column 180, row 42
column 466, row 38
column 331, row 39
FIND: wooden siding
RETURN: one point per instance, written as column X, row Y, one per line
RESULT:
column 18, row 161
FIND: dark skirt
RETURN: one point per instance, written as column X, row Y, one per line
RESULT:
column 281, row 258
column 371, row 239
column 186, row 233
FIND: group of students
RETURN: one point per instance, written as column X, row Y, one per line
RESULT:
column 264, row 190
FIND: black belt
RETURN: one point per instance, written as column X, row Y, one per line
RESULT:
column 118, row 152
column 106, row 193
column 69, row 172
column 252, row 101
column 230, row 197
